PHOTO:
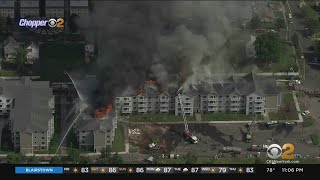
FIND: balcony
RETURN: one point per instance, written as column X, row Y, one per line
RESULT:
column 164, row 110
column 142, row 100
column 259, row 100
column 212, row 98
column 143, row 105
column 164, row 105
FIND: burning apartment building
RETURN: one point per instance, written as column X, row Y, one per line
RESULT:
column 249, row 94
column 95, row 127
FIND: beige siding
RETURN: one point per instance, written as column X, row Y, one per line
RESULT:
column 99, row 140
column 26, row 143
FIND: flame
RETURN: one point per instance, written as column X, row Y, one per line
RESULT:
column 103, row 111
column 151, row 81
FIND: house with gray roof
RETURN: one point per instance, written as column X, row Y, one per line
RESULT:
column 250, row 94
column 29, row 106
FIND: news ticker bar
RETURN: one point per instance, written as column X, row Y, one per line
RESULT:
column 133, row 170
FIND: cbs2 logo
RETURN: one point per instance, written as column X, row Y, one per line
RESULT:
column 59, row 23
column 274, row 151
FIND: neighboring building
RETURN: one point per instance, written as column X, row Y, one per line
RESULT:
column 95, row 134
column 30, row 108
column 29, row 8
column 250, row 94
column 32, row 53
column 7, row 8
column 9, row 48
column 79, row 7
column 54, row 8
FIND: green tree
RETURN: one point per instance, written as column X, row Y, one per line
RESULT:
column 74, row 155
column 191, row 158
column 56, row 160
column 85, row 160
column 313, row 25
column 116, row 159
column 20, row 59
column 280, row 23
column 3, row 25
column 255, row 22
column 16, row 158
column 33, row 160
column 268, row 47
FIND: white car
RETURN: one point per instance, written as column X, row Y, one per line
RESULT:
column 305, row 112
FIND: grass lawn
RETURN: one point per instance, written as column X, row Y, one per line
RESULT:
column 119, row 140
column 315, row 139
column 57, row 57
column 8, row 73
column 158, row 118
column 287, row 110
column 229, row 117
column 277, row 116
column 308, row 121
column 287, row 60
column 278, row 14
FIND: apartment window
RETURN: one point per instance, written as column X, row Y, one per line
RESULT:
column 108, row 141
column 227, row 101
column 204, row 96
column 43, row 143
column 108, row 136
column 250, row 108
column 35, row 137
column 83, row 131
column 134, row 102
column 83, row 136
column 0, row 100
column 163, row 97
column 204, row 107
column 210, row 101
column 8, row 100
column 8, row 110
column 134, row 98
column 220, row 96
column 0, row 105
column 35, row 142
column 125, row 99
column 187, row 99
column 83, row 142
column 234, row 96
column 126, row 104
column 213, row 96
column 258, row 98
column 227, row 96
column 0, row 110
column 42, row 138
column 43, row 147
column 141, row 97
column 220, row 101
column 250, row 98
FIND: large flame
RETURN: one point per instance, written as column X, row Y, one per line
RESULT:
column 151, row 81
column 103, row 111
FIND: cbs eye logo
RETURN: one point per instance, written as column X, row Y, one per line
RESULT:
column 274, row 151
column 59, row 23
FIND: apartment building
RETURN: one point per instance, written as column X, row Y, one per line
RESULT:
column 7, row 8
column 79, row 7
column 29, row 106
column 29, row 8
column 95, row 134
column 54, row 8
column 250, row 94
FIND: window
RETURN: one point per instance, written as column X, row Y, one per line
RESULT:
column 227, row 96
column 258, row 98
column 0, row 100
column 35, row 137
column 250, row 107
column 83, row 142
column 83, row 131
column 204, row 96
column 35, row 142
column 43, row 147
column 234, row 96
column 43, row 143
column 220, row 96
column 8, row 100
column 250, row 98
column 108, row 141
column 83, row 136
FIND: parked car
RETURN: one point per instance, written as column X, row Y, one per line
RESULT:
column 290, row 124
column 305, row 113
column 272, row 123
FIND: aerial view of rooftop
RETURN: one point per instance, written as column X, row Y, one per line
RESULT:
column 159, row 82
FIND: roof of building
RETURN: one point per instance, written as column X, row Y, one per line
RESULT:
column 31, row 110
column 79, row 3
column 29, row 3
column 7, row 4
column 10, row 39
column 55, row 3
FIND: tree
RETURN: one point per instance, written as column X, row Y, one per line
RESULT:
column 33, row 160
column 3, row 25
column 85, row 160
column 116, row 159
column 268, row 47
column 313, row 25
column 280, row 23
column 20, row 59
column 56, row 160
column 16, row 158
column 74, row 155
column 255, row 21
column 191, row 158
column 73, row 23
